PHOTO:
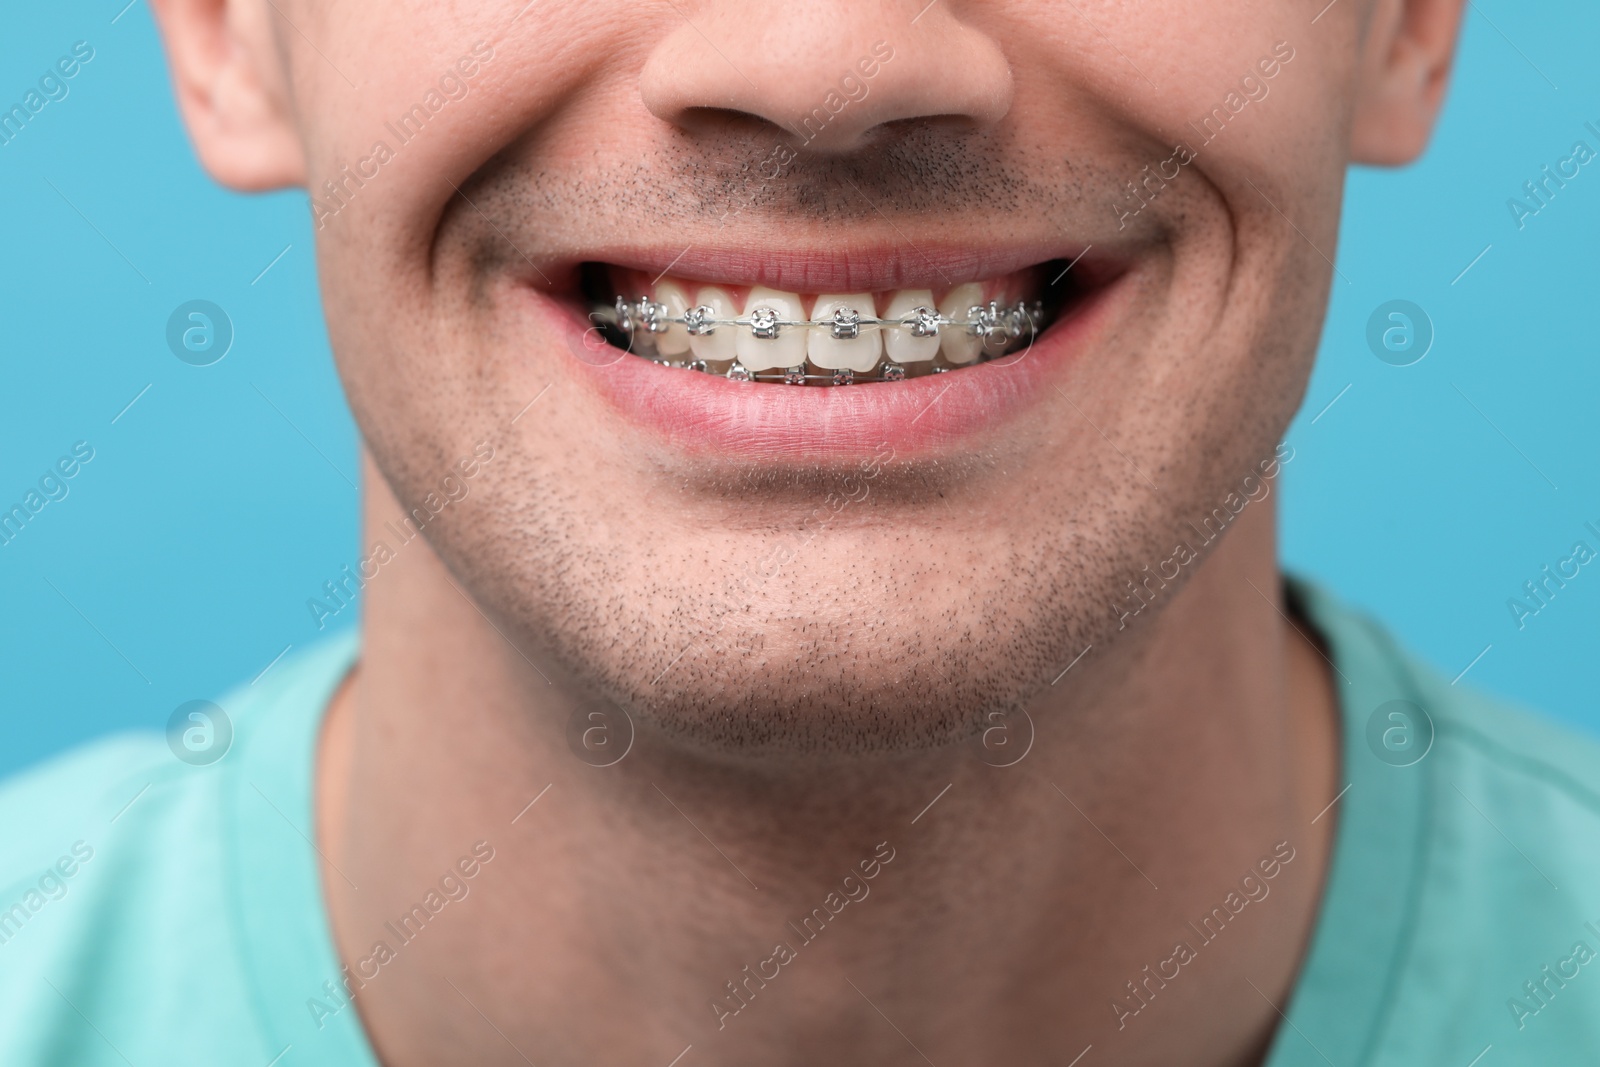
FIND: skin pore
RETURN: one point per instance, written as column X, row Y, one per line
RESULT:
column 796, row 720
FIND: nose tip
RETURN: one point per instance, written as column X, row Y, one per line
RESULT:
column 825, row 74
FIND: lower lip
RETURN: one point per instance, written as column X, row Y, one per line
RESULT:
column 708, row 414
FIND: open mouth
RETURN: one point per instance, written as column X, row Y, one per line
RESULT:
column 759, row 334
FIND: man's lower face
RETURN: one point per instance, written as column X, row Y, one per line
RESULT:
column 830, row 449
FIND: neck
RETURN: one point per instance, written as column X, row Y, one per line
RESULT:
column 1088, row 894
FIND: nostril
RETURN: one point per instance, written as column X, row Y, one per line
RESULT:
column 723, row 121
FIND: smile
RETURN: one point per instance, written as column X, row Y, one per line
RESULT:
column 939, row 344
column 761, row 334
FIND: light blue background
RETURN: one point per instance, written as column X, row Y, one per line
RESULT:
column 222, row 499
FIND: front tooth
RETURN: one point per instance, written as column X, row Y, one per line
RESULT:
column 788, row 349
column 718, row 345
column 958, row 344
column 902, row 344
column 675, row 342
column 828, row 352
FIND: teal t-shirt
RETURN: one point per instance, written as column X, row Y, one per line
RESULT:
column 154, row 912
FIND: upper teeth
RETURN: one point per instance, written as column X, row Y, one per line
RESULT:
column 843, row 331
column 846, row 340
column 766, row 345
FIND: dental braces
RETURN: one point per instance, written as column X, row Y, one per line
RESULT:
column 998, row 324
column 993, row 321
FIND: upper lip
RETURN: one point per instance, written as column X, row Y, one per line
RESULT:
column 841, row 267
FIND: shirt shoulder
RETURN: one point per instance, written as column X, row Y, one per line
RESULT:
column 113, row 908
column 1507, row 934
column 1462, row 911
column 123, row 934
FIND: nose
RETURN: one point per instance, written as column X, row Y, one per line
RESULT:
column 827, row 72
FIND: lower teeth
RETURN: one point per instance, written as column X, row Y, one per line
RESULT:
column 1004, row 329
